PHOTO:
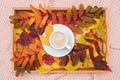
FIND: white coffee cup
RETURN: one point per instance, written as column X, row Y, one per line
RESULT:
column 59, row 40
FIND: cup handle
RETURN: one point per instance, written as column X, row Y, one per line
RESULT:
column 68, row 47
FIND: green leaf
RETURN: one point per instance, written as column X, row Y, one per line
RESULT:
column 18, row 30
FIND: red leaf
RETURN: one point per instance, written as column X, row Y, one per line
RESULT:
column 100, row 64
column 25, row 38
column 48, row 59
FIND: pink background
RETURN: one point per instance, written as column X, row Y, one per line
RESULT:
column 6, row 38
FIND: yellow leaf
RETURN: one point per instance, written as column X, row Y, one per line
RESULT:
column 44, row 68
column 32, row 20
column 44, row 21
column 42, row 9
column 69, row 67
column 49, row 29
column 36, row 11
column 44, row 40
column 55, row 65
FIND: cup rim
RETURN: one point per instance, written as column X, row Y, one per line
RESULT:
column 53, row 45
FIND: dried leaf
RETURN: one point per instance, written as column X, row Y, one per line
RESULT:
column 31, row 21
column 79, row 47
column 88, row 9
column 18, row 55
column 48, row 59
column 27, row 51
column 75, row 59
column 74, row 10
column 60, row 17
column 49, row 29
column 69, row 67
column 36, row 11
column 25, row 38
column 74, row 28
column 34, row 48
column 44, row 68
column 93, row 10
column 100, row 64
column 42, row 9
column 44, row 40
column 40, row 59
column 49, row 9
column 37, row 21
column 19, row 62
column 44, row 21
column 54, row 18
column 38, row 43
column 32, row 59
column 64, row 60
column 68, row 16
column 14, row 59
column 81, row 10
column 25, row 61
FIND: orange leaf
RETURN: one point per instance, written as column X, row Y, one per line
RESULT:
column 36, row 11
column 37, row 21
column 42, row 9
column 25, row 61
column 49, row 9
column 27, row 51
column 14, row 59
column 18, row 55
column 44, row 40
column 19, row 61
column 40, row 58
column 38, row 42
column 44, row 21
column 32, row 59
column 33, row 47
column 49, row 29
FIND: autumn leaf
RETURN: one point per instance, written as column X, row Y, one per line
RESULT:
column 14, row 59
column 38, row 43
column 44, row 40
column 36, row 11
column 32, row 59
column 27, row 51
column 48, row 59
column 49, row 9
column 40, row 59
column 49, row 29
column 25, row 38
column 44, row 21
column 44, row 68
column 19, row 62
column 37, row 21
column 25, row 61
column 42, row 9
column 33, row 47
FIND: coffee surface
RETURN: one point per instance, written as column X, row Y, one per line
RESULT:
column 58, row 39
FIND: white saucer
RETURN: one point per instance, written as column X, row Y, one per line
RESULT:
column 62, row 52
